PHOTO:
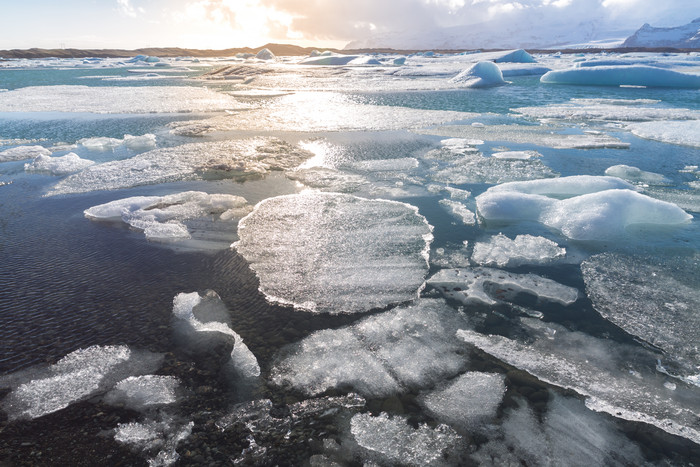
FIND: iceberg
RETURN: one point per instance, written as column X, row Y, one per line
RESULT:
column 23, row 152
column 336, row 253
column 480, row 75
column 486, row 286
column 406, row 348
column 234, row 159
column 501, row 251
column 636, row 175
column 265, row 54
column 626, row 75
column 63, row 165
column 595, row 208
column 329, row 59
column 516, row 56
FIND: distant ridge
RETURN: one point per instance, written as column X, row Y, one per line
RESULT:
column 686, row 36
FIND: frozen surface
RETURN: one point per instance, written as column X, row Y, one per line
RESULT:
column 211, row 219
column 335, row 253
column 675, row 132
column 636, row 175
column 379, row 356
column 63, row 165
column 622, row 110
column 655, row 299
column 392, row 441
column 467, row 401
column 491, row 286
column 142, row 392
column 568, row 434
column 460, row 211
column 21, row 153
column 236, row 159
column 626, row 75
column 615, row 378
column 595, row 207
column 480, row 75
column 501, row 251
column 135, row 143
column 516, row 155
column 122, row 99
column 77, row 376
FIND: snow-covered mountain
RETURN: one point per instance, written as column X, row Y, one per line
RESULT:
column 683, row 37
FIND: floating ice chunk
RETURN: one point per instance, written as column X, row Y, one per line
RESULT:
column 501, row 251
column 480, row 75
column 213, row 218
column 459, row 211
column 135, row 143
column 600, row 207
column 236, row 159
column 100, row 143
column 23, row 152
column 632, row 75
column 652, row 298
column 492, row 286
column 380, row 355
column 386, row 165
column 568, row 434
column 329, row 59
column 203, row 320
column 516, row 155
column 151, row 435
column 77, row 376
column 516, row 56
column 599, row 370
column 468, row 400
column 634, row 174
column 392, row 441
column 265, row 54
column 674, row 132
column 336, row 253
column 608, row 110
column 118, row 99
column 63, row 165
column 142, row 392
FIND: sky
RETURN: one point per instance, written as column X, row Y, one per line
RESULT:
column 220, row 24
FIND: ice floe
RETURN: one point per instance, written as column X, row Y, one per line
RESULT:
column 20, row 153
column 608, row 110
column 210, row 220
column 408, row 347
column 636, row 175
column 516, row 155
column 235, row 159
column 393, row 441
column 488, row 286
column 143, row 392
column 336, row 253
column 480, row 75
column 595, row 208
column 135, row 143
column 675, row 132
column 625, row 75
column 63, row 165
column 466, row 402
column 459, row 211
column 157, row 439
column 614, row 378
column 121, row 99
column 655, row 299
column 77, row 376
column 501, row 251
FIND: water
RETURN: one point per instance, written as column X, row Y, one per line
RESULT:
column 69, row 283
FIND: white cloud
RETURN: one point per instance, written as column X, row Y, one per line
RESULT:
column 126, row 8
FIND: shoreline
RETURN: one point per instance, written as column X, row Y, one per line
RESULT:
column 285, row 50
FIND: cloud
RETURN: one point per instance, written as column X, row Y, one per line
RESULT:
column 126, row 8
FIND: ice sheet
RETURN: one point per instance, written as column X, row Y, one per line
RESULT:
column 675, row 132
column 501, row 251
column 335, row 253
column 142, row 392
column 63, row 165
column 20, row 153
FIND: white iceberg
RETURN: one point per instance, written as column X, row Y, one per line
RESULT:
column 63, row 165
column 627, row 75
column 480, row 75
column 336, row 253
column 265, row 54
column 675, row 132
column 636, row 175
column 23, row 152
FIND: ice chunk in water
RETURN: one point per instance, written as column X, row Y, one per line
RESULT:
column 392, row 441
column 468, row 400
column 623, row 75
column 589, row 213
column 77, row 376
column 136, row 143
column 655, row 299
column 141, row 392
column 674, row 132
column 459, row 211
column 608, row 110
column 63, row 165
column 480, row 75
column 635, row 175
column 265, row 54
column 23, row 152
column 211, row 219
column 516, row 155
column 163, row 435
column 490, row 286
column 378, row 356
column 615, row 378
column 501, row 251
column 335, row 253
column 568, row 434
column 236, row 159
